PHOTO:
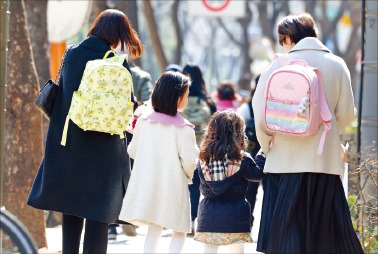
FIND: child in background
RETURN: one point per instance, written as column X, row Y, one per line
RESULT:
column 224, row 215
column 246, row 112
column 164, row 150
column 198, row 112
column 227, row 97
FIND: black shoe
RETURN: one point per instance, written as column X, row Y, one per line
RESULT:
column 112, row 233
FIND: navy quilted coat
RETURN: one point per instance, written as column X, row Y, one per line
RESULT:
column 88, row 177
column 224, row 208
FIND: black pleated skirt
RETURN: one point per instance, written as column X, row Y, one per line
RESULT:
column 306, row 213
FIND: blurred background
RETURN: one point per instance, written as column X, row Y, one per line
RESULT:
column 229, row 39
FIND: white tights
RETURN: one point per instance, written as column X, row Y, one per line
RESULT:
column 153, row 237
column 232, row 248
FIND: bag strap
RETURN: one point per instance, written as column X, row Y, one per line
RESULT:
column 57, row 77
column 65, row 130
column 284, row 59
column 325, row 113
column 251, row 109
column 119, row 58
column 109, row 52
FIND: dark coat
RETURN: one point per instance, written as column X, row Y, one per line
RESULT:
column 224, row 208
column 88, row 177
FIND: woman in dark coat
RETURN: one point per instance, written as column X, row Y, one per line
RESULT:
column 87, row 178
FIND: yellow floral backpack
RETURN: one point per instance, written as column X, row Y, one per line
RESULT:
column 103, row 101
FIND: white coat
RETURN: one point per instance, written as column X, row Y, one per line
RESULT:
column 164, row 161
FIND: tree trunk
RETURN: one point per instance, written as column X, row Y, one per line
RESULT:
column 353, row 45
column 268, row 25
column 97, row 7
column 130, row 8
column 246, row 74
column 176, row 25
column 310, row 7
column 265, row 23
column 154, row 35
column 36, row 13
column 132, row 13
column 23, row 133
column 37, row 26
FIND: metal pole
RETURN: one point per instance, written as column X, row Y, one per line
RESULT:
column 359, row 116
column 4, row 38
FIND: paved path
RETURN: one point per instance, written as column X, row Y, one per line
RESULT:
column 125, row 244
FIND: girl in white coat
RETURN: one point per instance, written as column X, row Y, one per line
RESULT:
column 164, row 150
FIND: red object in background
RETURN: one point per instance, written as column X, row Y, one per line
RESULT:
column 211, row 7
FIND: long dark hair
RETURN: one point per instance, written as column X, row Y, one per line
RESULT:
column 224, row 135
column 113, row 26
column 198, row 87
column 168, row 89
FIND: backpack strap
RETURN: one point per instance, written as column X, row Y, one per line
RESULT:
column 110, row 52
column 325, row 113
column 65, row 130
column 284, row 59
column 251, row 109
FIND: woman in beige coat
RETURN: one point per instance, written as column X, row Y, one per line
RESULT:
column 304, row 208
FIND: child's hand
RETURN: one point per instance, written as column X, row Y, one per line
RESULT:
column 260, row 159
column 133, row 123
column 131, row 126
column 261, row 152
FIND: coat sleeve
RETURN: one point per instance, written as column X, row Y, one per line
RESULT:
column 131, row 148
column 188, row 152
column 345, row 111
column 263, row 135
column 145, row 88
column 253, row 172
column 133, row 98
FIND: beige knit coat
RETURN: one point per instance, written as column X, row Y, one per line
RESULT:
column 290, row 154
column 164, row 162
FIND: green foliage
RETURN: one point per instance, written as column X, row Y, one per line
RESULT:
column 352, row 127
column 352, row 203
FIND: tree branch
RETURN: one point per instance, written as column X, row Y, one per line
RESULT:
column 265, row 23
column 155, row 39
column 176, row 25
column 353, row 44
column 332, row 26
column 335, row 44
column 233, row 39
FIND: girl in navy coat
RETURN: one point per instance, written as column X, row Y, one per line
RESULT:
column 224, row 216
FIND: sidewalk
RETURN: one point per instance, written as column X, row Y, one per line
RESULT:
column 126, row 244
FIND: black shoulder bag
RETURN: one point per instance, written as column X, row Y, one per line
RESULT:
column 46, row 98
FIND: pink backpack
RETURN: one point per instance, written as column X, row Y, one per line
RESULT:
column 294, row 100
